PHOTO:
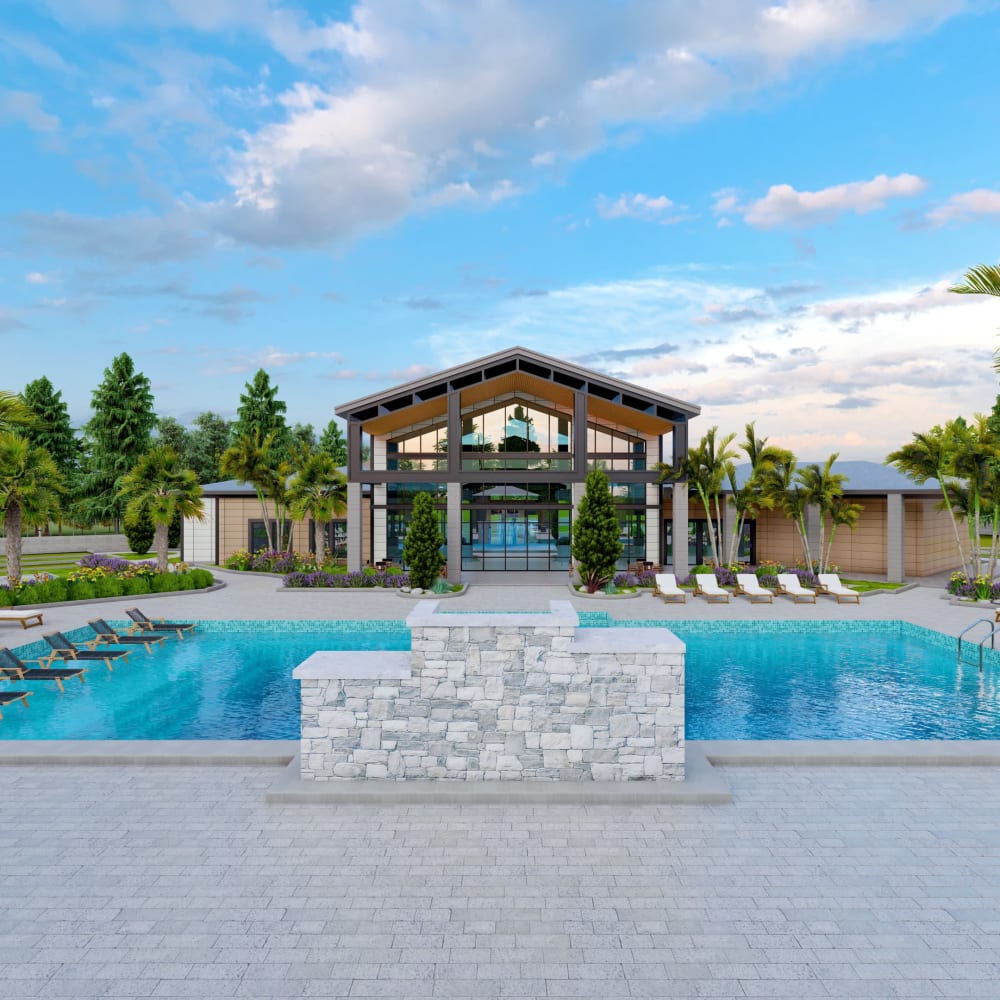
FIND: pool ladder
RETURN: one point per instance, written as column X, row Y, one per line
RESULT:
column 991, row 635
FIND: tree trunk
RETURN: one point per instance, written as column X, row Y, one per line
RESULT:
column 319, row 539
column 13, row 521
column 161, row 536
column 267, row 521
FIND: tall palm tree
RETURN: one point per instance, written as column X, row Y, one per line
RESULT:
column 843, row 514
column 14, row 412
column 705, row 468
column 823, row 488
column 786, row 491
column 30, row 486
column 161, row 487
column 251, row 460
column 975, row 452
column 319, row 491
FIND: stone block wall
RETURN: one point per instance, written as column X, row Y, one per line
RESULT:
column 499, row 697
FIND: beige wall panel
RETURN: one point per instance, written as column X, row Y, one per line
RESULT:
column 864, row 550
column 777, row 539
column 930, row 539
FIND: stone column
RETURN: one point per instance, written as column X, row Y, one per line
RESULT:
column 679, row 522
column 895, row 548
column 654, row 515
column 454, row 531
column 354, row 527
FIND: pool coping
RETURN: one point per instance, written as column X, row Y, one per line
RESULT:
column 704, row 783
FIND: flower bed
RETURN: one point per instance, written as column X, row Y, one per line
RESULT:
column 980, row 588
column 104, row 576
column 345, row 581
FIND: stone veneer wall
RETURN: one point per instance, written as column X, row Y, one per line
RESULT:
column 498, row 697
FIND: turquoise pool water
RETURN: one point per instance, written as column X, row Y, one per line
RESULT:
column 745, row 680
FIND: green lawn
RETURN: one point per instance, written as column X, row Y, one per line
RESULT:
column 62, row 563
column 864, row 586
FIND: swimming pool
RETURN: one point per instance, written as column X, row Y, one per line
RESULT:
column 745, row 680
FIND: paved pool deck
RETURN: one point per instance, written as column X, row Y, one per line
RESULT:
column 817, row 879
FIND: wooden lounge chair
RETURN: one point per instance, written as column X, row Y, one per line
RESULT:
column 14, row 668
column 144, row 624
column 107, row 636
column 708, row 587
column 666, row 587
column 28, row 619
column 9, row 697
column 63, row 649
column 748, row 585
column 790, row 584
column 829, row 583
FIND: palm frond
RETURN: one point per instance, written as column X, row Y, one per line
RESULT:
column 983, row 279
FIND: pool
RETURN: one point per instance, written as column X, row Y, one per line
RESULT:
column 745, row 681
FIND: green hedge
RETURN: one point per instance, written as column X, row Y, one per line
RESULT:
column 53, row 591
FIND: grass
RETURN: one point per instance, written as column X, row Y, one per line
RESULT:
column 62, row 563
column 865, row 586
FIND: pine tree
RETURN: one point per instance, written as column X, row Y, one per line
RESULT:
column 596, row 547
column 261, row 414
column 52, row 429
column 422, row 545
column 303, row 437
column 333, row 442
column 208, row 441
column 117, row 435
column 175, row 435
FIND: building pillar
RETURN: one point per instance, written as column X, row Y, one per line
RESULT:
column 579, row 434
column 895, row 549
column 813, row 520
column 679, row 530
column 454, row 437
column 354, row 527
column 654, row 515
column 680, row 441
column 453, row 529
column 379, row 524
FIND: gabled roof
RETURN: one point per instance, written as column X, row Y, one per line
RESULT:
column 517, row 369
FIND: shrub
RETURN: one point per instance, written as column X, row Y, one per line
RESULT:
column 50, row 591
column 596, row 547
column 240, row 560
column 7, row 596
column 201, row 578
column 702, row 569
column 441, row 586
column 135, row 585
column 81, row 590
column 139, row 533
column 422, row 545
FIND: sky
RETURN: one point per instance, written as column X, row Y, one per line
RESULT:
column 754, row 207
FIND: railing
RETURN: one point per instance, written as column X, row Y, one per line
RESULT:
column 991, row 636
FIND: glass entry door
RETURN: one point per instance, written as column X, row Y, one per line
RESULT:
column 497, row 539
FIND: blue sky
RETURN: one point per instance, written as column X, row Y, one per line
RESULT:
column 754, row 207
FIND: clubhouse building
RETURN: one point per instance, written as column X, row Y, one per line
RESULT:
column 504, row 444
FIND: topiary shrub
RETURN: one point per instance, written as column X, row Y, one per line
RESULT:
column 422, row 545
column 596, row 547
column 139, row 533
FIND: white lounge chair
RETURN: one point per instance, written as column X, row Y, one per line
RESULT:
column 708, row 586
column 790, row 584
column 26, row 618
column 666, row 587
column 829, row 583
column 748, row 585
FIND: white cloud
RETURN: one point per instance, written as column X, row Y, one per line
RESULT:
column 783, row 205
column 966, row 206
column 39, row 278
column 273, row 357
column 796, row 368
column 646, row 207
column 22, row 106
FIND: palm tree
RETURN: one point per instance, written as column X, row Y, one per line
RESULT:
column 823, row 488
column 30, row 485
column 319, row 491
column 705, row 468
column 786, row 491
column 250, row 459
column 161, row 487
column 983, row 279
column 975, row 451
column 750, row 499
column 845, row 514
column 14, row 412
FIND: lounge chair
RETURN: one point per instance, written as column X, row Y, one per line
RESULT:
column 748, row 585
column 708, row 587
column 829, row 583
column 24, row 617
column 107, row 636
column 14, row 668
column 666, row 587
column 144, row 624
column 9, row 697
column 63, row 649
column 790, row 584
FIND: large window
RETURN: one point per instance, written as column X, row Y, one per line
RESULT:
column 614, row 450
column 257, row 535
column 336, row 539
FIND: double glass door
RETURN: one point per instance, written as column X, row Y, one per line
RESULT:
column 512, row 538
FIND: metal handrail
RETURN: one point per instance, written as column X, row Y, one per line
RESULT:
column 978, row 621
column 992, row 638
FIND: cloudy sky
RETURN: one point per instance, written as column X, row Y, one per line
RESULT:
column 756, row 207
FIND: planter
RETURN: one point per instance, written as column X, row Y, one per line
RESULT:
column 972, row 602
column 601, row 596
column 430, row 593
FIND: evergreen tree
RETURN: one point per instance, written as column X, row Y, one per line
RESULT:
column 261, row 414
column 208, row 441
column 117, row 435
column 175, row 435
column 52, row 429
column 302, row 437
column 596, row 547
column 422, row 545
column 333, row 442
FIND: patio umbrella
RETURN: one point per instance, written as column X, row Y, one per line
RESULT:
column 505, row 492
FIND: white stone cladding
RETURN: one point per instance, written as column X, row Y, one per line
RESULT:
column 524, row 697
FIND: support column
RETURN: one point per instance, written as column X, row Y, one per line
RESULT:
column 354, row 527
column 579, row 434
column 654, row 515
column 895, row 549
column 379, row 525
column 454, row 438
column 679, row 529
column 680, row 437
column 454, row 530
column 812, row 532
